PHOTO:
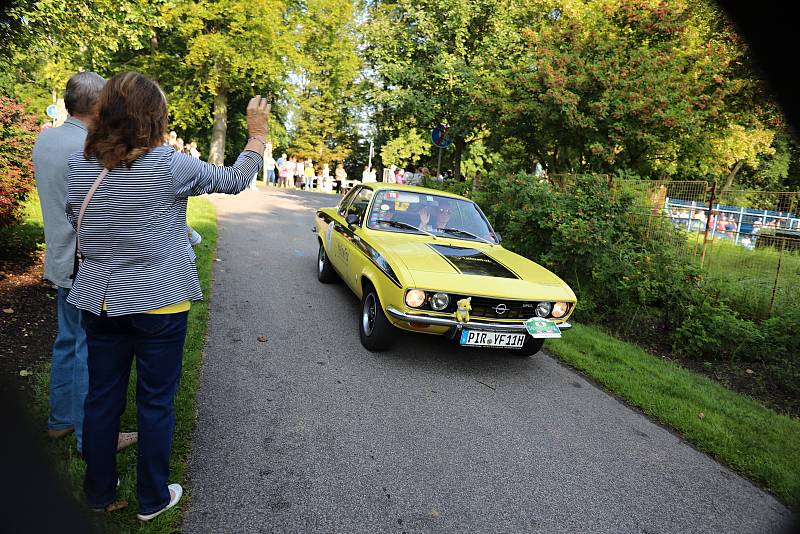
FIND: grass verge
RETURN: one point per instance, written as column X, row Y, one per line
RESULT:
column 736, row 430
column 26, row 237
column 202, row 217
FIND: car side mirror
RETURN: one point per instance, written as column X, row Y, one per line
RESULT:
column 351, row 219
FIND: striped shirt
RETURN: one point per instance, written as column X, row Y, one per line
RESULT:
column 137, row 255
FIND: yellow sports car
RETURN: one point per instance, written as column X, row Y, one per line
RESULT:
column 428, row 261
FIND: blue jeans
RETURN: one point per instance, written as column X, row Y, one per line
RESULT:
column 157, row 343
column 270, row 177
column 69, row 375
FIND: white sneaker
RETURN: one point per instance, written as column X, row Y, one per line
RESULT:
column 175, row 494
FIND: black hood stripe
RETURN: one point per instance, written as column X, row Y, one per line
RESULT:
column 473, row 262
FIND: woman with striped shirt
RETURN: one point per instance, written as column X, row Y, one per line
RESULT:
column 138, row 277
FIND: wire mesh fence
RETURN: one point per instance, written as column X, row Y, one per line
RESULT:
column 749, row 241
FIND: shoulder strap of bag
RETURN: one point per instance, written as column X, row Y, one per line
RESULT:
column 86, row 200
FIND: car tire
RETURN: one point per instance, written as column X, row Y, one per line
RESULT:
column 376, row 332
column 529, row 348
column 325, row 272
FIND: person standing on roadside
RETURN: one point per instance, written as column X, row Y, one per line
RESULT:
column 308, row 183
column 269, row 170
column 137, row 278
column 69, row 375
column 341, row 177
column 299, row 172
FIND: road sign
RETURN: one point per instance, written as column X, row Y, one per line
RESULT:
column 439, row 136
column 52, row 111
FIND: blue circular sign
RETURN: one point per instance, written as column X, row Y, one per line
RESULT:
column 439, row 137
column 52, row 111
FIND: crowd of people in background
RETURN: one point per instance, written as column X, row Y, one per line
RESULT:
column 185, row 148
column 744, row 229
column 301, row 173
column 292, row 172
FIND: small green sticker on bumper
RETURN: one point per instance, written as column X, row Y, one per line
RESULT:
column 542, row 328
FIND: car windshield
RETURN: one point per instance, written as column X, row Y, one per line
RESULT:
column 422, row 213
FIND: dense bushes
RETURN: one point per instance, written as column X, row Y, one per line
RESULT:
column 588, row 235
column 17, row 135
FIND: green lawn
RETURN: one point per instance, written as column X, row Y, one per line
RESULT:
column 747, row 277
column 202, row 217
column 738, row 431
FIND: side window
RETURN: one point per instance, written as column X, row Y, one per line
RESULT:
column 345, row 201
column 360, row 202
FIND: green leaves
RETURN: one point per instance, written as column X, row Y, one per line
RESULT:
column 326, row 66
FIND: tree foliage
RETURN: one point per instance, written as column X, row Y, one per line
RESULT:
column 405, row 149
column 210, row 50
column 57, row 38
column 17, row 135
column 661, row 88
column 327, row 67
column 430, row 60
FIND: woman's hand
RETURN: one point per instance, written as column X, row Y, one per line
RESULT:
column 257, row 110
column 424, row 217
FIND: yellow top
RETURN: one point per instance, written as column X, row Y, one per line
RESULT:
column 178, row 307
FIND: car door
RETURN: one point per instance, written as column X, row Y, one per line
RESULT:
column 349, row 258
column 327, row 232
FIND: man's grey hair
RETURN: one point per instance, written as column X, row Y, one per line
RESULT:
column 82, row 92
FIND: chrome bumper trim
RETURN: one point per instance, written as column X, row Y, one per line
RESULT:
column 474, row 325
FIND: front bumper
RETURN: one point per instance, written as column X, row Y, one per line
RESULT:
column 472, row 325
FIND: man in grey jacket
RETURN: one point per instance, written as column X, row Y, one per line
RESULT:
column 69, row 375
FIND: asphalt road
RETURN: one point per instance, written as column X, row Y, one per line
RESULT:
column 309, row 432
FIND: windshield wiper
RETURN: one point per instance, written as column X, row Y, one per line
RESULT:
column 464, row 232
column 399, row 224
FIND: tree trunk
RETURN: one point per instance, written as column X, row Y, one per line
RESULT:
column 732, row 175
column 459, row 143
column 216, row 155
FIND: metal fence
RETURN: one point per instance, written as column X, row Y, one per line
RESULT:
column 748, row 240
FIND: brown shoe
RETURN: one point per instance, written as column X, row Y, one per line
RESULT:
column 113, row 507
column 126, row 439
column 53, row 433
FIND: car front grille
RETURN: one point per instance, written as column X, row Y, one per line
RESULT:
column 487, row 308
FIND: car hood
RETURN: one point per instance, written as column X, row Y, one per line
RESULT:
column 490, row 270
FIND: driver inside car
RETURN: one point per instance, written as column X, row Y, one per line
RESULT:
column 433, row 217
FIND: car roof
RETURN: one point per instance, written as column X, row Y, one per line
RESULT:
column 376, row 186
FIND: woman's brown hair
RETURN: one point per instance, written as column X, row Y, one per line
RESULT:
column 130, row 120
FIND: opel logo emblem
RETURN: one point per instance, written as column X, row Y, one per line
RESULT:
column 500, row 309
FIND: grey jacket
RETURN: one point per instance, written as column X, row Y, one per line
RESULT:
column 50, row 153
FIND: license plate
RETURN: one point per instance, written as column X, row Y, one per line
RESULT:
column 477, row 338
column 542, row 328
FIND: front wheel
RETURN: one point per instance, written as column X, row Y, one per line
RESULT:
column 529, row 348
column 325, row 272
column 375, row 330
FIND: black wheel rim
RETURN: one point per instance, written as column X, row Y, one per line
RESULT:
column 321, row 259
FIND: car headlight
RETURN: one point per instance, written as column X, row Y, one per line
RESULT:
column 415, row 298
column 543, row 309
column 560, row 309
column 439, row 301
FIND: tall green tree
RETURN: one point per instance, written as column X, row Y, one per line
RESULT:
column 327, row 67
column 644, row 85
column 211, row 50
column 429, row 58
